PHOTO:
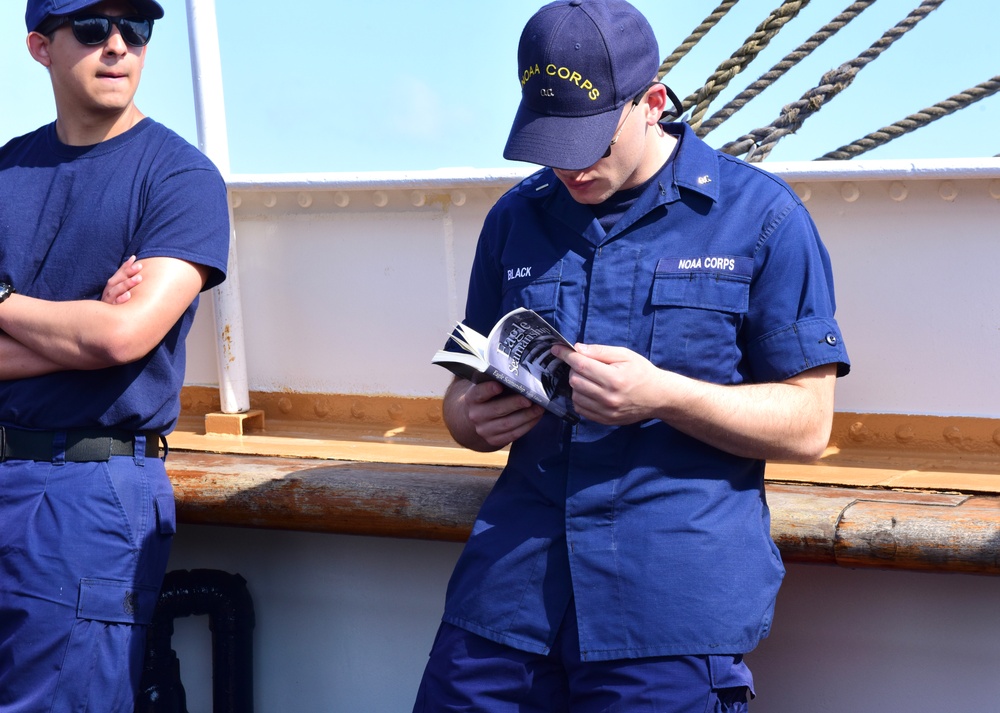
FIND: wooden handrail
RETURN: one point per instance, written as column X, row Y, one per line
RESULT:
column 852, row 527
column 897, row 491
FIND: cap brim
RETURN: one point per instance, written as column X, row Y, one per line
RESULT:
column 146, row 8
column 566, row 142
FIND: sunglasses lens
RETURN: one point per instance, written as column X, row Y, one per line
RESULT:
column 135, row 31
column 95, row 29
column 91, row 30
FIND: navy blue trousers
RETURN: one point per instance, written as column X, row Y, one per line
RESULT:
column 83, row 550
column 469, row 674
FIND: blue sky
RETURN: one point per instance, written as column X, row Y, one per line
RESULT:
column 394, row 85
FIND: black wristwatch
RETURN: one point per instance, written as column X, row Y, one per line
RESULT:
column 6, row 290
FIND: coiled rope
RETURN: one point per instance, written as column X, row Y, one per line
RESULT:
column 739, row 60
column 777, row 71
column 915, row 121
column 760, row 142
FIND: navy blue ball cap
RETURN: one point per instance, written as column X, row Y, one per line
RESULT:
column 38, row 10
column 579, row 63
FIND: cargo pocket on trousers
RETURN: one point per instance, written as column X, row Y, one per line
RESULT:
column 732, row 683
column 103, row 656
column 116, row 602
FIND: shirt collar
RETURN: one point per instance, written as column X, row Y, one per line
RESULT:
column 694, row 166
column 544, row 185
column 695, row 163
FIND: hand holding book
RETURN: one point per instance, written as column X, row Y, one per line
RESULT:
column 517, row 353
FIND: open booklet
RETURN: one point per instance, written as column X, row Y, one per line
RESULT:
column 517, row 353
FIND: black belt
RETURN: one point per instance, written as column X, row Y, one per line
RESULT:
column 80, row 446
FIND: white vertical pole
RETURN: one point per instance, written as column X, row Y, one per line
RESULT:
column 210, row 111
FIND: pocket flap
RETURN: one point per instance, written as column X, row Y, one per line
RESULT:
column 533, row 286
column 702, row 291
column 116, row 602
column 166, row 515
column 729, row 672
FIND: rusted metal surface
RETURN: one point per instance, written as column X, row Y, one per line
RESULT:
column 963, row 538
column 821, row 525
column 391, row 500
column 851, row 527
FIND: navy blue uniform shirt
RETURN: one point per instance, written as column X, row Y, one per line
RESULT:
column 660, row 541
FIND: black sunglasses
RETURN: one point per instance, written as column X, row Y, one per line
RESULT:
column 621, row 126
column 95, row 29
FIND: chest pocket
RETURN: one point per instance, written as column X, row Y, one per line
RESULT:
column 533, row 286
column 696, row 320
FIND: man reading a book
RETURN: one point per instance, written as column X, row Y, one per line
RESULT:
column 625, row 563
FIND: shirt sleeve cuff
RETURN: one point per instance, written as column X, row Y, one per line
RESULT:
column 804, row 345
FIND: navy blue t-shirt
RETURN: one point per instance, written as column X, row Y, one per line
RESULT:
column 69, row 217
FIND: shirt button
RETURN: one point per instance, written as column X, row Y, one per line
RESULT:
column 831, row 339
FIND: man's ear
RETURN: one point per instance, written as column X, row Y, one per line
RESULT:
column 38, row 46
column 656, row 99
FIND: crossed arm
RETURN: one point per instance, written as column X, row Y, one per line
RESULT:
column 789, row 420
column 40, row 337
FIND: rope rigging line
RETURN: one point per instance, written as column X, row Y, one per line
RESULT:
column 760, row 142
column 700, row 31
column 779, row 70
column 915, row 121
column 739, row 60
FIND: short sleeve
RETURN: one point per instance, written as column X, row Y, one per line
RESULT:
column 790, row 326
column 187, row 217
column 483, row 304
